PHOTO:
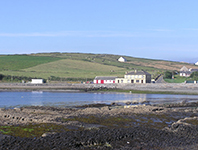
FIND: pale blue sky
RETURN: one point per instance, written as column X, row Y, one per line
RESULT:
column 158, row 29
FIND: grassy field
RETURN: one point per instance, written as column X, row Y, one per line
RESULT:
column 17, row 62
column 80, row 65
column 75, row 68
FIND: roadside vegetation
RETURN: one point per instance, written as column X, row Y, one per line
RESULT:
column 174, row 77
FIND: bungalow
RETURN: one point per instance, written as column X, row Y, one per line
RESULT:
column 104, row 79
column 135, row 77
column 185, row 72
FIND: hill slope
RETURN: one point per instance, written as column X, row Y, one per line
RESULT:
column 80, row 65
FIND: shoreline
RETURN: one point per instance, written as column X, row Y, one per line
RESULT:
column 151, row 88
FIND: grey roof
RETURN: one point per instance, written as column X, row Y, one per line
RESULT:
column 187, row 72
column 104, row 78
column 193, row 70
column 142, row 72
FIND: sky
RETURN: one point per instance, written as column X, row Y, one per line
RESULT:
column 156, row 29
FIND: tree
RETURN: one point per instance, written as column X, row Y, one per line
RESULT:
column 168, row 75
column 194, row 75
column 1, row 76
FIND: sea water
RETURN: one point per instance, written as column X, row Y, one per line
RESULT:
column 67, row 99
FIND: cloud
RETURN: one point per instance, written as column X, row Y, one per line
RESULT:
column 71, row 34
column 192, row 29
column 161, row 30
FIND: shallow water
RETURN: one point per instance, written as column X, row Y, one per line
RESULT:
column 63, row 99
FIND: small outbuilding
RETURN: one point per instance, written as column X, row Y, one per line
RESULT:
column 37, row 81
column 122, row 59
column 104, row 79
column 196, row 63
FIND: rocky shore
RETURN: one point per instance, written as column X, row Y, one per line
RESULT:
column 146, row 127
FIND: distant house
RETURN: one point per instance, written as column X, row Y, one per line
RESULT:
column 135, row 77
column 104, row 79
column 184, row 68
column 185, row 72
column 37, row 81
column 196, row 63
column 122, row 59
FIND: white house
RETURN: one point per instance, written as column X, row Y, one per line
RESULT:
column 122, row 59
column 135, row 77
column 104, row 80
column 196, row 63
column 37, row 81
column 185, row 72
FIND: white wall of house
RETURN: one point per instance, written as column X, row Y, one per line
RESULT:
column 108, row 81
column 136, row 78
column 104, row 81
column 184, row 75
column 125, row 80
column 37, row 81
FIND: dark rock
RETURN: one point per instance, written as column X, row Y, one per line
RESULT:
column 128, row 103
column 158, row 109
column 145, row 102
column 122, row 138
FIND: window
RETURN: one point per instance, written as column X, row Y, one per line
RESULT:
column 137, row 81
column 121, row 81
column 132, row 81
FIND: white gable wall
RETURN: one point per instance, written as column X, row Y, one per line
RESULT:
column 121, row 59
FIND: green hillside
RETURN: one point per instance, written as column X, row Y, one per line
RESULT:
column 80, row 65
column 74, row 68
column 17, row 62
